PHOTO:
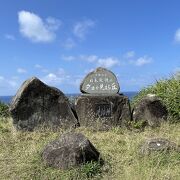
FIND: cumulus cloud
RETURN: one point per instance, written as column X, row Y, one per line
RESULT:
column 177, row 36
column 35, row 29
column 21, row 70
column 56, row 78
column 108, row 62
column 9, row 37
column 89, row 58
column 142, row 61
column 81, row 29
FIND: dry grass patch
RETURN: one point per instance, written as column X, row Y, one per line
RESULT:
column 20, row 154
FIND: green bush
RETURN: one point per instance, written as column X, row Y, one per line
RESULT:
column 4, row 110
column 168, row 90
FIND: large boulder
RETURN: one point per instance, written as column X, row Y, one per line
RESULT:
column 158, row 145
column 70, row 150
column 38, row 104
column 100, row 81
column 150, row 109
column 102, row 112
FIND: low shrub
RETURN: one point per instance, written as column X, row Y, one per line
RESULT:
column 168, row 90
column 4, row 110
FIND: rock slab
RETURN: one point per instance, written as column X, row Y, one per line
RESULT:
column 103, row 112
column 151, row 110
column 158, row 144
column 70, row 150
column 100, row 81
column 38, row 104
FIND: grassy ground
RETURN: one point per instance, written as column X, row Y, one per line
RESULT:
column 20, row 155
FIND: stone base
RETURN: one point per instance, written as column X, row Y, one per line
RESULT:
column 103, row 111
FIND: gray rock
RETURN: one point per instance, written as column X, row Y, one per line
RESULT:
column 38, row 104
column 102, row 112
column 100, row 81
column 158, row 144
column 151, row 110
column 70, row 150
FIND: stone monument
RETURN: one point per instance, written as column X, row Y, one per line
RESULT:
column 37, row 104
column 100, row 105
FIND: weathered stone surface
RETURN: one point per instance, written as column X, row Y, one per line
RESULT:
column 158, row 144
column 102, row 111
column 36, row 103
column 100, row 81
column 70, row 150
column 151, row 110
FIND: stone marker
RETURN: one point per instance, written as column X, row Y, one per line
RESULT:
column 101, row 106
column 150, row 109
column 102, row 111
column 158, row 144
column 70, row 150
column 100, row 81
column 38, row 104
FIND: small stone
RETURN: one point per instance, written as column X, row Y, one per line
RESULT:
column 150, row 109
column 70, row 150
column 158, row 144
column 100, row 81
column 38, row 104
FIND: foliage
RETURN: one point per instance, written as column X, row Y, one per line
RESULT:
column 4, row 110
column 168, row 90
column 91, row 169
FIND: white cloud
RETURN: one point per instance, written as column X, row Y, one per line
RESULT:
column 35, row 29
column 81, row 29
column 69, row 43
column 90, row 58
column 10, row 37
column 108, row 62
column 177, row 36
column 142, row 61
column 53, row 24
column 52, row 79
column 129, row 54
column 21, row 70
column 56, row 78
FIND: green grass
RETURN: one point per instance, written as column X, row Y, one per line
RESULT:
column 168, row 90
column 20, row 155
column 4, row 110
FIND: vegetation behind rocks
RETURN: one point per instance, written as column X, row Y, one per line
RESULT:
column 168, row 90
column 4, row 110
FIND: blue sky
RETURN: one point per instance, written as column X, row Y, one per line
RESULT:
column 60, row 41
